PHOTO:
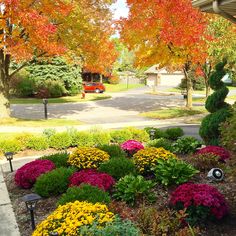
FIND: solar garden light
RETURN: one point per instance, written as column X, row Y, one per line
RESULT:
column 152, row 133
column 30, row 202
column 45, row 103
column 53, row 234
column 9, row 156
column 216, row 174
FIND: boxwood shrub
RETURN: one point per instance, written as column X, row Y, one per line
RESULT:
column 54, row 182
column 113, row 150
column 59, row 159
column 84, row 192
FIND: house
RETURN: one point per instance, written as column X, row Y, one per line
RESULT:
column 156, row 77
column 225, row 8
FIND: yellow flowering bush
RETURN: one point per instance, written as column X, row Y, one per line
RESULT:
column 67, row 219
column 147, row 158
column 88, row 157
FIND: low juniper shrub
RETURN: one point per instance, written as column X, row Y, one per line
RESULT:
column 54, row 182
column 85, row 192
column 59, row 159
column 118, row 167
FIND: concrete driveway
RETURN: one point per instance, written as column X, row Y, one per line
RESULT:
column 122, row 107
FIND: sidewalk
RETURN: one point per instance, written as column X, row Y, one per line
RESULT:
column 138, row 124
column 8, row 225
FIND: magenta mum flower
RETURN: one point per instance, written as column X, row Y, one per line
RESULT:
column 192, row 196
column 92, row 177
column 218, row 151
column 27, row 175
column 132, row 146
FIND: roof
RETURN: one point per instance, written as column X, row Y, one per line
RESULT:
column 154, row 70
column 225, row 8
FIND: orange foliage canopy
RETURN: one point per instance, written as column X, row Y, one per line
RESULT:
column 168, row 32
column 31, row 28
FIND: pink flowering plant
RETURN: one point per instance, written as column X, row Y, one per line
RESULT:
column 27, row 175
column 92, row 177
column 201, row 201
column 131, row 146
column 218, row 151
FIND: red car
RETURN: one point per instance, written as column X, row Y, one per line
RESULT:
column 93, row 87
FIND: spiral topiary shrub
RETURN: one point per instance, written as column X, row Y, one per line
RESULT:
column 215, row 104
column 131, row 146
column 147, row 158
column 92, row 177
column 68, row 218
column 222, row 153
column 87, row 157
column 27, row 175
column 202, row 201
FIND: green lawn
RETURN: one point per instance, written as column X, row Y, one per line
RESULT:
column 111, row 88
column 39, row 123
column 173, row 113
column 88, row 97
column 177, row 90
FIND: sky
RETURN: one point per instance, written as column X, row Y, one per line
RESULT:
column 120, row 9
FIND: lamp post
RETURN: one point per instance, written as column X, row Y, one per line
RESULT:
column 45, row 103
column 30, row 202
column 9, row 157
column 152, row 133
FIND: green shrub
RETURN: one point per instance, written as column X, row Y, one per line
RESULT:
column 158, row 133
column 161, row 142
column 173, row 171
column 25, row 87
column 54, row 182
column 227, row 137
column 215, row 104
column 138, row 134
column 118, row 167
column 117, row 227
column 84, row 192
column 174, row 133
column 10, row 145
column 84, row 139
column 23, row 138
column 101, row 138
column 120, row 136
column 49, row 132
column 113, row 150
column 38, row 143
column 54, row 88
column 186, row 145
column 132, row 189
column 60, row 140
column 59, row 159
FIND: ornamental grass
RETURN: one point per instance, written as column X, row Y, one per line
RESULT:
column 146, row 159
column 87, row 157
column 67, row 219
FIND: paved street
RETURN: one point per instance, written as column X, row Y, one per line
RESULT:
column 122, row 107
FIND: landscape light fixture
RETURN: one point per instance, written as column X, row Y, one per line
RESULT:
column 45, row 103
column 9, row 157
column 53, row 234
column 30, row 202
column 152, row 133
column 216, row 174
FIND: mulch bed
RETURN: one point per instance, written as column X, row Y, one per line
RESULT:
column 226, row 227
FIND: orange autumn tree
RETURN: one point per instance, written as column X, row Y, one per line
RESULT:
column 165, row 32
column 31, row 29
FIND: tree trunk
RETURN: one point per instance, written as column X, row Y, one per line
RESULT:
column 189, row 101
column 4, row 106
column 208, row 90
column 101, row 77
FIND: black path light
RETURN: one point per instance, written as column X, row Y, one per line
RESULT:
column 45, row 103
column 216, row 174
column 30, row 201
column 152, row 133
column 53, row 234
column 9, row 156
